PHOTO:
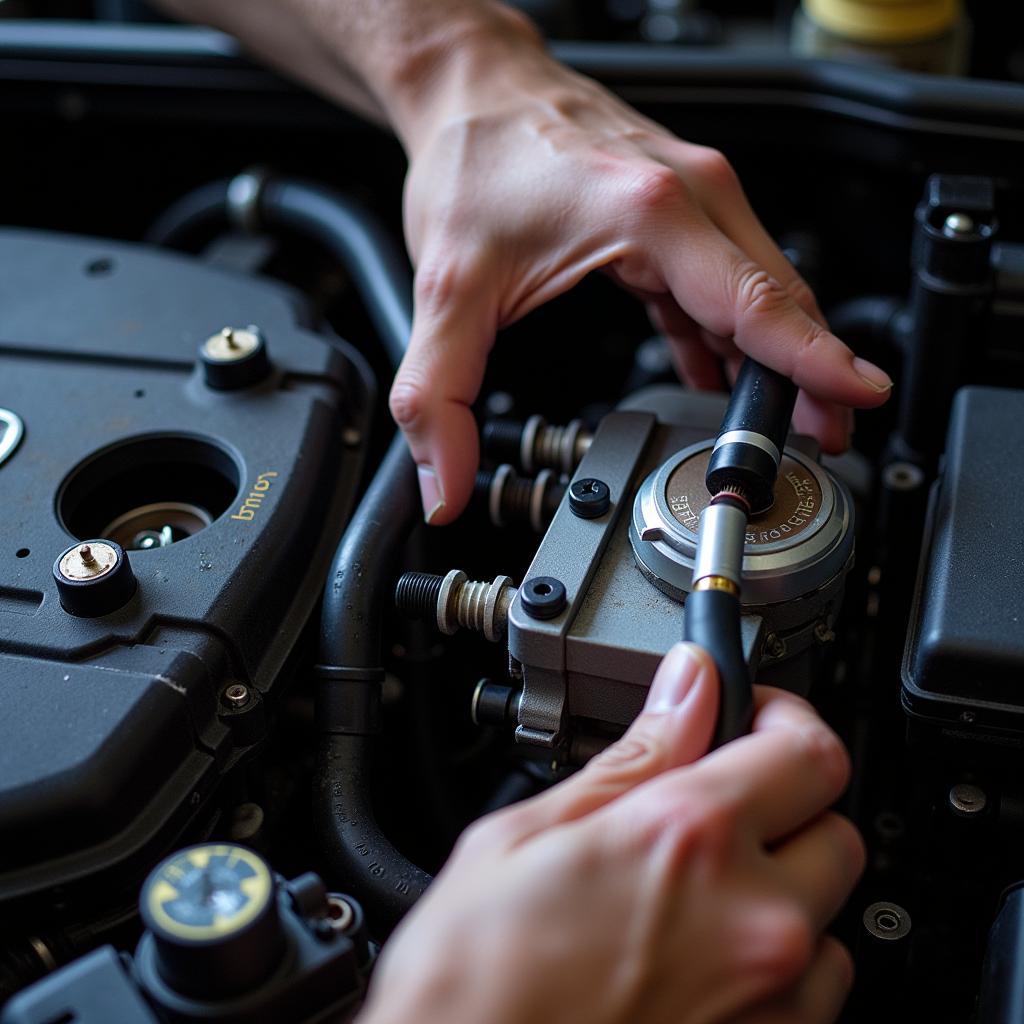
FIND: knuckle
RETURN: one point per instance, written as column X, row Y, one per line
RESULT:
column 632, row 752
column 781, row 948
column 653, row 188
column 713, row 167
column 757, row 292
column 800, row 292
column 437, row 283
column 824, row 752
column 407, row 403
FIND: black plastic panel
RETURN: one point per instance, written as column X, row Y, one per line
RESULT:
column 964, row 661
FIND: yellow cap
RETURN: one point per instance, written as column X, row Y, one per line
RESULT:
column 884, row 21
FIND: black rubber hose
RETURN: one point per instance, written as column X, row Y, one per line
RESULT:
column 361, row 244
column 193, row 211
column 348, row 231
column 867, row 318
column 712, row 620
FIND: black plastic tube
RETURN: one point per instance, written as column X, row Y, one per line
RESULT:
column 712, row 620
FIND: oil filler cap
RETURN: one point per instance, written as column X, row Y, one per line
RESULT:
column 211, row 912
column 234, row 358
column 94, row 578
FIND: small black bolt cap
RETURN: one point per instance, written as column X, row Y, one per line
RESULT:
column 589, row 497
column 235, row 358
column 543, row 597
column 94, row 577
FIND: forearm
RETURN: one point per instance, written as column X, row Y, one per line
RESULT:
column 383, row 59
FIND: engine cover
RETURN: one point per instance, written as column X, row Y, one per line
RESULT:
column 117, row 728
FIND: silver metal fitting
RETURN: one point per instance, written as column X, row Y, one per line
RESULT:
column 544, row 446
column 967, row 800
column 958, row 224
column 232, row 343
column 720, row 542
column 475, row 605
column 88, row 561
column 888, row 921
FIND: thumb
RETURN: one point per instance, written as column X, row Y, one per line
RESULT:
column 674, row 729
column 438, row 381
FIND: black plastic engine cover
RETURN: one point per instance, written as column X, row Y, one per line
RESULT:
column 113, row 733
column 964, row 661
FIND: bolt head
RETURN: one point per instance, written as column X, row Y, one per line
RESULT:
column 957, row 225
column 967, row 800
column 589, row 497
column 236, row 695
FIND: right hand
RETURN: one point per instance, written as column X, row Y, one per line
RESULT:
column 651, row 887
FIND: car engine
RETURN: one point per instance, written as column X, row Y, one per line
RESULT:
column 249, row 700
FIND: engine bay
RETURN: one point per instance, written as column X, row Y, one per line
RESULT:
column 232, row 654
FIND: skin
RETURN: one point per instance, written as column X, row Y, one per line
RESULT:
column 654, row 886
column 685, row 888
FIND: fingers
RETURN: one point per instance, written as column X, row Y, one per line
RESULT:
column 729, row 294
column 817, row 998
column 437, row 382
column 821, row 865
column 771, row 782
column 674, row 729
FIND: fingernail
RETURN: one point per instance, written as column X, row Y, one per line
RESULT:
column 430, row 491
column 675, row 677
column 877, row 379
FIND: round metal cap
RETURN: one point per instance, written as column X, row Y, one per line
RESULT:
column 233, row 358
column 93, row 578
column 792, row 548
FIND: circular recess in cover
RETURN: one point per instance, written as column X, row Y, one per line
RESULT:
column 149, row 492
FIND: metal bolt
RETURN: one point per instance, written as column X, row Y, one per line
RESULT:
column 774, row 647
column 888, row 921
column 958, row 224
column 823, row 634
column 340, row 914
column 232, row 344
column 589, row 498
column 236, row 695
column 88, row 562
column 510, row 499
column 902, row 476
column 455, row 601
column 967, row 800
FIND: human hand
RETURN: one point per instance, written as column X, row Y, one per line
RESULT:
column 651, row 887
column 524, row 178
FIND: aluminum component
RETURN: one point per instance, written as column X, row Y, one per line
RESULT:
column 544, row 479
column 749, row 437
column 528, row 441
column 957, row 224
column 887, row 921
column 791, row 549
column 236, row 695
column 720, row 543
column 243, row 199
column 571, row 552
column 967, row 800
column 501, row 475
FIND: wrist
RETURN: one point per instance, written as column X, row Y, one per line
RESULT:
column 432, row 75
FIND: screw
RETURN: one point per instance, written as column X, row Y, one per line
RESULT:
column 958, row 224
column 967, row 800
column 887, row 921
column 774, row 647
column 236, row 695
column 455, row 601
column 229, row 338
column 589, row 497
column 85, row 553
column 823, row 634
